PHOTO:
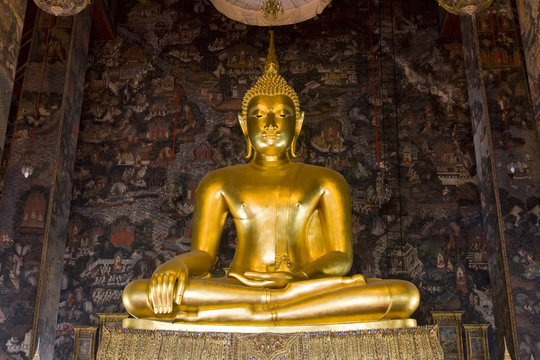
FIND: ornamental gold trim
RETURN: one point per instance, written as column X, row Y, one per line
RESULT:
column 371, row 344
column 131, row 323
column 110, row 320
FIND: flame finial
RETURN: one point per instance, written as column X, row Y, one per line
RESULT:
column 271, row 66
column 270, row 82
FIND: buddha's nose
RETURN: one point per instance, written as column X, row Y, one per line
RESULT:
column 270, row 122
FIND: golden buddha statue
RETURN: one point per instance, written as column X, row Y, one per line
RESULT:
column 294, row 238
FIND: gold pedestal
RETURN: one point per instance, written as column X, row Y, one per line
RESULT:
column 391, row 339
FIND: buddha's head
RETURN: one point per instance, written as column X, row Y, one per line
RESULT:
column 271, row 118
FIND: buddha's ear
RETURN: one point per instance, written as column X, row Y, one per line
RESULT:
column 297, row 128
column 243, row 123
column 299, row 122
column 243, row 126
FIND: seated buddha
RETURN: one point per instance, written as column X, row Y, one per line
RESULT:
column 294, row 238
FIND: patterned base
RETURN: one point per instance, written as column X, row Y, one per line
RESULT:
column 406, row 343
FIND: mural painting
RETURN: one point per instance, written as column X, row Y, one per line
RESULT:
column 159, row 112
column 504, row 135
column 12, row 24
column 529, row 23
column 43, row 132
column 515, row 146
column 11, row 27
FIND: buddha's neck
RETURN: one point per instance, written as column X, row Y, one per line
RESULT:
column 268, row 161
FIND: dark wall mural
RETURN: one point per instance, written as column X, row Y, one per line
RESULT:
column 55, row 240
column 34, row 209
column 159, row 112
column 516, row 156
column 11, row 28
column 529, row 23
column 24, row 208
column 507, row 159
column 483, row 140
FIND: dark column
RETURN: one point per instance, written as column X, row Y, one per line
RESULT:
column 34, row 211
column 11, row 27
column 508, row 166
column 529, row 23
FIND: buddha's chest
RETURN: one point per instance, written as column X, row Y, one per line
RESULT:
column 273, row 199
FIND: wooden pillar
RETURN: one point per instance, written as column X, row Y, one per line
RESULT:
column 11, row 27
column 34, row 211
column 529, row 24
column 508, row 167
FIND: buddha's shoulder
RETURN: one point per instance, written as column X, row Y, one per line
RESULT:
column 322, row 174
column 322, row 171
column 225, row 174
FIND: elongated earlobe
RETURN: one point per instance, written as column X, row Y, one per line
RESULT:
column 243, row 126
column 298, row 127
column 293, row 148
column 249, row 148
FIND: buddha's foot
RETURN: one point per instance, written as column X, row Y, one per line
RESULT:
column 241, row 313
column 187, row 316
column 358, row 279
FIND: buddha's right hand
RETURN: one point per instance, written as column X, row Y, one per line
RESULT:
column 276, row 279
column 167, row 286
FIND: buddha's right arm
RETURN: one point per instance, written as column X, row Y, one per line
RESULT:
column 209, row 215
column 169, row 280
column 195, row 263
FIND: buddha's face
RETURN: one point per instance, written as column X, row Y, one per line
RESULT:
column 271, row 124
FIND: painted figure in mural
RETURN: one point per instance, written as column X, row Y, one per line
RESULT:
column 294, row 243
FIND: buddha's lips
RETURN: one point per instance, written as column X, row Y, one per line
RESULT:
column 271, row 135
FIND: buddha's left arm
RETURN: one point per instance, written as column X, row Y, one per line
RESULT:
column 335, row 214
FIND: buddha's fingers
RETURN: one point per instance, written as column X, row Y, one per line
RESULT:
column 163, row 290
column 161, row 293
column 158, row 294
column 180, row 287
column 276, row 279
column 277, row 275
column 166, row 301
column 151, row 294
column 169, row 297
column 154, row 294
column 249, row 282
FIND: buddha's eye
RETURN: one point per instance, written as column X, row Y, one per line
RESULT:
column 284, row 115
column 257, row 116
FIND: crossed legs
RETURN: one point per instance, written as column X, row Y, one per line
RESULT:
column 326, row 300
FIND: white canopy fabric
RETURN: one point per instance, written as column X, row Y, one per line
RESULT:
column 248, row 11
column 62, row 7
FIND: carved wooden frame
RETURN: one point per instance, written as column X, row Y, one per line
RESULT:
column 84, row 347
column 476, row 343
column 449, row 323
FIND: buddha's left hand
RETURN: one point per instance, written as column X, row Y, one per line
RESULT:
column 277, row 279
